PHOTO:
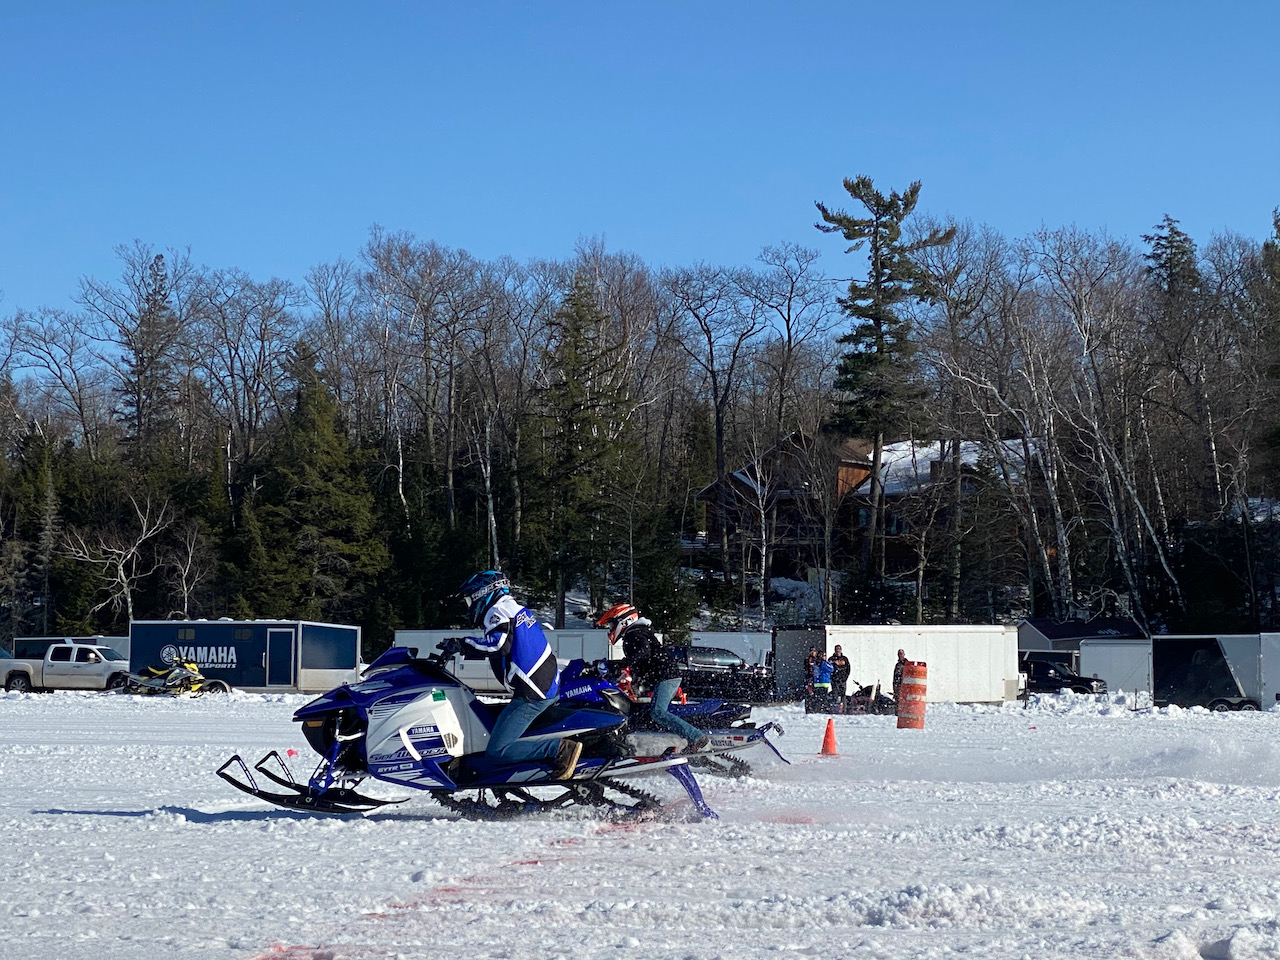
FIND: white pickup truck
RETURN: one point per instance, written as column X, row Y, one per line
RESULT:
column 66, row 666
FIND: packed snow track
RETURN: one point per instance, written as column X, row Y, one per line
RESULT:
column 1075, row 828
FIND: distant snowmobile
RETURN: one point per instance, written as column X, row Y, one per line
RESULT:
column 726, row 722
column 180, row 676
column 410, row 722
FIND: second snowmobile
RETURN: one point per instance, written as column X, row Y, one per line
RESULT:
column 180, row 676
column 726, row 722
column 411, row 723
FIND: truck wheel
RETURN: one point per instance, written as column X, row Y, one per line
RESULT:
column 1248, row 705
column 19, row 683
column 117, row 681
column 215, row 686
column 1220, row 706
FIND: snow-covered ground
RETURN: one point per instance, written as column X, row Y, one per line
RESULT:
column 1075, row 828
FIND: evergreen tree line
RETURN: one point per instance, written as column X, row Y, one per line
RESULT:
column 195, row 442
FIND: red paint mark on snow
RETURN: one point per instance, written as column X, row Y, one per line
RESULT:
column 796, row 818
column 295, row 952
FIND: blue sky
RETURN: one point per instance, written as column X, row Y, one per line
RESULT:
column 271, row 136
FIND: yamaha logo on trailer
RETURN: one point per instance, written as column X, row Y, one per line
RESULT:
column 203, row 656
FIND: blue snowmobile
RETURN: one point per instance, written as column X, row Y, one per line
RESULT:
column 728, row 723
column 410, row 722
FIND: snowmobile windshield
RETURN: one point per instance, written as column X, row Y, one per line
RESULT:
column 395, row 657
column 398, row 658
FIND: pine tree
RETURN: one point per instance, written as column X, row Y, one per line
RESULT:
column 582, row 421
column 307, row 543
column 874, row 379
column 149, row 382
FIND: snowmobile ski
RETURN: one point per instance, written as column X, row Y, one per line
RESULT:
column 331, row 799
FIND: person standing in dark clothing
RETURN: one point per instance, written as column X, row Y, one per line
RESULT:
column 897, row 676
column 839, row 677
column 810, row 662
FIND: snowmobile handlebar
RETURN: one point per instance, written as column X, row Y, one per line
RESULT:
column 450, row 647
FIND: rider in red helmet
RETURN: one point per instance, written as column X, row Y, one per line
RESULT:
column 653, row 666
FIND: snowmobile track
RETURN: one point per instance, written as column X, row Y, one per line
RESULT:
column 503, row 803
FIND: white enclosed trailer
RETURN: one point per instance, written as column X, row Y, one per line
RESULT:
column 967, row 663
column 1123, row 664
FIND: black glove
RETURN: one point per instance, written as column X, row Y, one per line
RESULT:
column 450, row 646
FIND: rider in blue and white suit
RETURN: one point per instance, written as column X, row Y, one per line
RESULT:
column 523, row 660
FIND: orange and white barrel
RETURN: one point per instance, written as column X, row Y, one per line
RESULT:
column 911, row 695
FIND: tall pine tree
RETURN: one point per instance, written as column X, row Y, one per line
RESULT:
column 875, row 374
column 583, row 416
column 306, row 541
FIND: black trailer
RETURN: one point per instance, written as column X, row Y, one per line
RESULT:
column 1223, row 672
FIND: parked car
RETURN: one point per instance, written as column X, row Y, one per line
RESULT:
column 1045, row 677
column 713, row 672
column 66, row 666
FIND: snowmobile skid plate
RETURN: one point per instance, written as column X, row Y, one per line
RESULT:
column 300, row 796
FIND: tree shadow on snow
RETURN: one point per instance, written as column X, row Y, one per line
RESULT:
column 192, row 815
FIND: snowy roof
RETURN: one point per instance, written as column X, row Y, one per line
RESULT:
column 1119, row 628
column 906, row 467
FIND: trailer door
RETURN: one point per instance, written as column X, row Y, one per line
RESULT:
column 1270, row 670
column 279, row 658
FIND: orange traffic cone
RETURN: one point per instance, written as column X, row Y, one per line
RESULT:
column 829, row 741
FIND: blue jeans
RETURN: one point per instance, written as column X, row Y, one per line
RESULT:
column 663, row 717
column 504, row 739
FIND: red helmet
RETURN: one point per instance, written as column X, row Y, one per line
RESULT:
column 617, row 618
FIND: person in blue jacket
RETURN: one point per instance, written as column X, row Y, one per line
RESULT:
column 822, row 670
column 523, row 660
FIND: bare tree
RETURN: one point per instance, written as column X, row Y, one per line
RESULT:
column 188, row 564
column 60, row 349
column 718, row 330
column 244, row 334
column 118, row 554
column 140, row 323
